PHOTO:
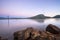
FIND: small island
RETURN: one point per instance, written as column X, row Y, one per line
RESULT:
column 57, row 16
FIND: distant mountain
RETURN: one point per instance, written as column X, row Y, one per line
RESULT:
column 40, row 16
column 7, row 17
column 2, row 17
column 57, row 16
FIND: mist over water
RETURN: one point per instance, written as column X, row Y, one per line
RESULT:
column 8, row 27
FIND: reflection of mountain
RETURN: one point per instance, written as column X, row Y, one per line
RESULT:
column 57, row 16
column 39, row 20
column 41, row 16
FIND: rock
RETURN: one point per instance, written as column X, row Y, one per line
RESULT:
column 53, row 29
column 32, row 34
column 27, row 34
column 19, row 35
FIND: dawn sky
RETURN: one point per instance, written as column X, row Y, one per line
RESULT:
column 28, row 8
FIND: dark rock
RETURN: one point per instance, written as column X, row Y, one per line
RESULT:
column 53, row 29
column 40, row 16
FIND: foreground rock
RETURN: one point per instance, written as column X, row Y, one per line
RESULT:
column 53, row 29
column 32, row 34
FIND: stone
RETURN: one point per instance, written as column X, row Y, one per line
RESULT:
column 53, row 29
column 27, row 34
column 33, row 34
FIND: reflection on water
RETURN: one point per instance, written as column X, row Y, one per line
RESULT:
column 39, row 20
column 7, row 28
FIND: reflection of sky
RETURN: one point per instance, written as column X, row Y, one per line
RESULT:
column 27, row 8
column 53, row 21
column 20, row 24
column 24, row 23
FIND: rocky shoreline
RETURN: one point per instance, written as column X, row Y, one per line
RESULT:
column 33, row 34
column 52, row 32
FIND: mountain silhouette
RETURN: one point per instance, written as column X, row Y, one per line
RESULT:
column 57, row 16
column 2, row 17
column 40, row 16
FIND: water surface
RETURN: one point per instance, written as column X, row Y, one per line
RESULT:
column 8, row 27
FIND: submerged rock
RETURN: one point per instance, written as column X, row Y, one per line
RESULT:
column 53, row 29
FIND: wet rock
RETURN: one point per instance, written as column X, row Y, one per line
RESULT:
column 53, row 29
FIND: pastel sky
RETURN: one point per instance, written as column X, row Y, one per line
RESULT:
column 28, row 8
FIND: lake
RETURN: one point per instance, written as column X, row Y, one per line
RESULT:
column 8, row 27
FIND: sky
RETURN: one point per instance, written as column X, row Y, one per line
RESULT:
column 28, row 8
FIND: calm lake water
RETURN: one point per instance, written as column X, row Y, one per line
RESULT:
column 8, row 27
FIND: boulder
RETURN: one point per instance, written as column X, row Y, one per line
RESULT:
column 32, row 34
column 53, row 29
column 27, row 34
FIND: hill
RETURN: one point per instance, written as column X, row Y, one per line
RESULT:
column 40, row 16
column 57, row 16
